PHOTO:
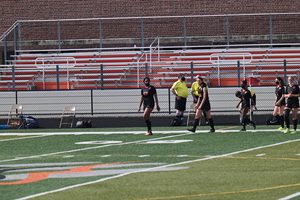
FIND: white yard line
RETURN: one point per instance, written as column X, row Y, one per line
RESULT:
column 144, row 170
column 136, row 132
column 22, row 138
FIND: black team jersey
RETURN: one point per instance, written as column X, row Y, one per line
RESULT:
column 206, row 104
column 294, row 89
column 246, row 96
column 147, row 93
column 279, row 91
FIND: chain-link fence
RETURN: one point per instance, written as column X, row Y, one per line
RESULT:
column 123, row 102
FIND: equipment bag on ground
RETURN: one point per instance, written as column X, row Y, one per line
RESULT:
column 84, row 123
column 273, row 121
column 175, row 122
column 30, row 122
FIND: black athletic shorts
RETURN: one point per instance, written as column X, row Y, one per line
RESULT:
column 206, row 106
column 180, row 104
column 292, row 103
column 149, row 105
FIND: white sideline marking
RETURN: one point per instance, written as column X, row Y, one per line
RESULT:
column 136, row 132
column 154, row 168
column 290, row 196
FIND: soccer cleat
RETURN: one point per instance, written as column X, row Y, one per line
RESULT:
column 192, row 130
column 242, row 130
column 287, row 131
column 212, row 131
column 280, row 128
column 149, row 133
column 293, row 132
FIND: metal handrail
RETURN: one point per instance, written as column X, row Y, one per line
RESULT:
column 161, row 17
column 152, row 50
column 9, row 30
column 164, row 47
column 48, row 62
column 141, row 17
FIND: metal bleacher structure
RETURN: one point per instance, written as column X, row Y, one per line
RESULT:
column 126, row 69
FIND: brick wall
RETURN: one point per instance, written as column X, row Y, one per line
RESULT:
column 12, row 10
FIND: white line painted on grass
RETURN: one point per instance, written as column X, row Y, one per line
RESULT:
column 22, row 138
column 97, row 147
column 290, row 196
column 140, row 132
column 149, row 169
column 142, row 156
column 105, row 156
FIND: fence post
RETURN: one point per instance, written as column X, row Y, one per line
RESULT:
column 15, row 42
column 142, row 32
column 184, row 32
column 13, row 77
column 100, row 33
column 192, row 72
column 101, row 75
column 146, row 69
column 239, row 75
column 271, row 29
column 57, row 77
column 227, row 32
column 92, row 102
column 19, row 37
column 58, row 35
column 16, row 97
column 5, row 49
column 169, row 99
column 284, row 70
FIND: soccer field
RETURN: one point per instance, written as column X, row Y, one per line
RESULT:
column 122, row 163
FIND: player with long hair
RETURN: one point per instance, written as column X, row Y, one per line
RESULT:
column 279, row 108
column 292, row 104
column 203, row 105
column 148, row 94
column 246, row 97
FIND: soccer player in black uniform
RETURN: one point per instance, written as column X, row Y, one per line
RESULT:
column 292, row 91
column 148, row 94
column 279, row 108
column 203, row 105
column 245, row 100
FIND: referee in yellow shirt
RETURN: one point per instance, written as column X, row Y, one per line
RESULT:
column 180, row 90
